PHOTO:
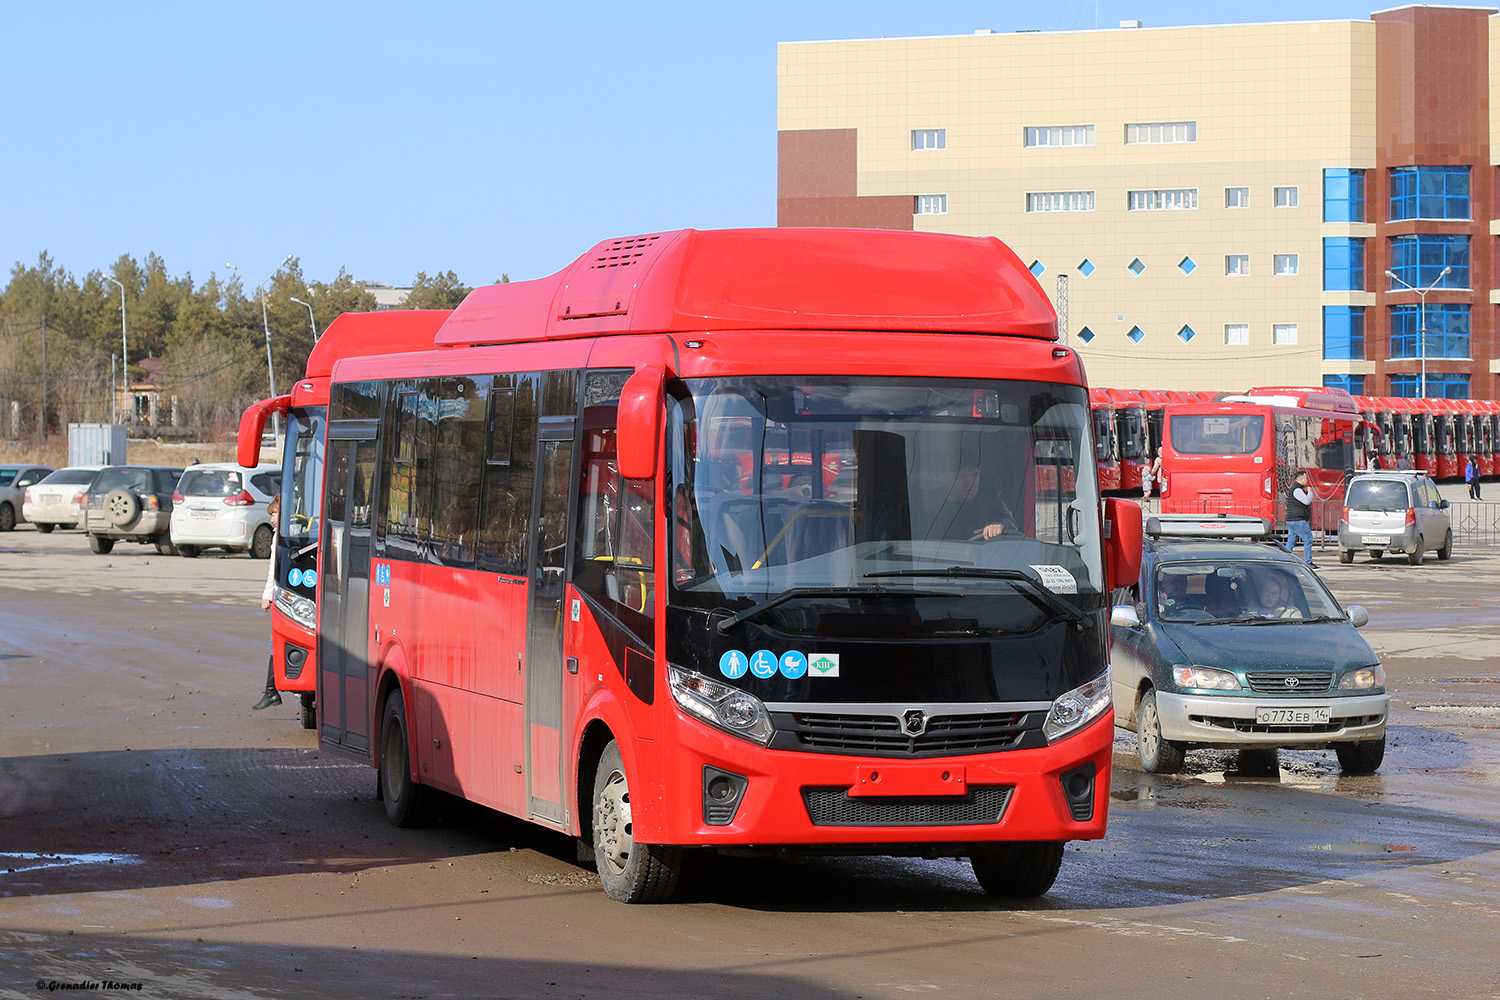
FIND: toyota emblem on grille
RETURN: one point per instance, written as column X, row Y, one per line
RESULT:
column 914, row 722
column 1292, row 682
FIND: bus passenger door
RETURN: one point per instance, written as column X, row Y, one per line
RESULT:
column 343, row 628
column 545, row 618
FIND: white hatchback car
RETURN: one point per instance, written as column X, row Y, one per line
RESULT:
column 223, row 506
column 53, row 502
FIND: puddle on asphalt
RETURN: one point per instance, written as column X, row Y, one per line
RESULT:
column 13, row 861
column 1480, row 711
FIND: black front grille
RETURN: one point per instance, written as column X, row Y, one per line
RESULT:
column 836, row 807
column 1275, row 681
column 882, row 735
column 1333, row 725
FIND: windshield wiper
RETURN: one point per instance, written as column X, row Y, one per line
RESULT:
column 1029, row 588
column 1256, row 620
column 724, row 625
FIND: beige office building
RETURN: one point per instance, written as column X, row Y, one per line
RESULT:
column 1210, row 207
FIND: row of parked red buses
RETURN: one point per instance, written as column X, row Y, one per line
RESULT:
column 1236, row 452
column 747, row 541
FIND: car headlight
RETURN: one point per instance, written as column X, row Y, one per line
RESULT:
column 1204, row 678
column 1363, row 678
column 1072, row 711
column 736, row 712
column 299, row 609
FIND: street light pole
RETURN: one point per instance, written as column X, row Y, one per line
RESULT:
column 266, row 323
column 124, row 348
column 1421, row 319
column 310, row 318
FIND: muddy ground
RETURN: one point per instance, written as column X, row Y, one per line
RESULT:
column 155, row 831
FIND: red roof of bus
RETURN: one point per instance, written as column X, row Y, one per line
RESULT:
column 395, row 331
column 783, row 279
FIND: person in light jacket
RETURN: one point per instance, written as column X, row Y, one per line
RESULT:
column 270, row 696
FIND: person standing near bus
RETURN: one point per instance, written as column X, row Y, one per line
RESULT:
column 1471, row 476
column 271, row 696
column 1299, row 517
column 1151, row 475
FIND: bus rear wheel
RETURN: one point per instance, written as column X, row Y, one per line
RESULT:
column 1018, row 870
column 405, row 800
column 630, row 872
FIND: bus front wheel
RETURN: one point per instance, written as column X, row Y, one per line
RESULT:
column 405, row 800
column 631, row 872
column 1017, row 870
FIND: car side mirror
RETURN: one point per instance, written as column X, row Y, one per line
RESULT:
column 1358, row 616
column 1124, row 616
column 1443, row 504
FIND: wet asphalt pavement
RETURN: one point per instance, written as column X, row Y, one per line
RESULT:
column 154, row 831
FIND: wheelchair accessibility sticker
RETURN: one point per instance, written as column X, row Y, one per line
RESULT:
column 303, row 578
column 764, row 664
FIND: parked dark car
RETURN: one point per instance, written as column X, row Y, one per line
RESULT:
column 1237, row 644
column 130, row 503
column 13, row 482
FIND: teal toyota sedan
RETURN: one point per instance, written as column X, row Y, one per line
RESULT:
column 1232, row 643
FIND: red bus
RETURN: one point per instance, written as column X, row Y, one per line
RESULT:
column 1106, row 440
column 1133, row 430
column 1239, row 455
column 755, row 540
column 295, row 560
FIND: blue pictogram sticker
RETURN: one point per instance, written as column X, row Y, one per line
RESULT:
column 763, row 664
column 294, row 578
column 793, row 664
column 309, row 578
column 383, row 574
column 733, row 664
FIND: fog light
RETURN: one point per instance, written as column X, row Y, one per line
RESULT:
column 1078, row 789
column 722, row 793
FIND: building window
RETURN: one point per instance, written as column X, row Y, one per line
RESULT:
column 1236, row 334
column 1236, row 197
column 1037, row 268
column 1136, row 335
column 1060, row 201
column 1354, row 385
column 1286, row 197
column 929, row 138
column 1284, row 333
column 1285, row 264
column 1429, row 193
column 1419, row 261
column 1343, row 264
column 931, row 204
column 1237, row 264
column 1186, row 334
column 1164, row 200
column 1160, row 133
column 1187, row 265
column 1442, row 386
column 1343, row 195
column 1085, row 335
column 1447, row 327
column 1086, row 267
column 1060, row 135
column 1343, row 333
column 1136, row 267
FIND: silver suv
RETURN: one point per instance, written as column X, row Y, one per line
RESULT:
column 1394, row 512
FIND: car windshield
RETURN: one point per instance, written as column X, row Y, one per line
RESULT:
column 1229, row 590
column 70, row 477
column 1377, row 494
column 1216, row 433
column 210, row 483
column 882, row 484
column 302, row 491
column 135, row 480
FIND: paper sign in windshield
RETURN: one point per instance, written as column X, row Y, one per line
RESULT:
column 1057, row 579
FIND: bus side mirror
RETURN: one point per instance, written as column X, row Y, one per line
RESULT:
column 1122, row 542
column 253, row 426
column 640, row 415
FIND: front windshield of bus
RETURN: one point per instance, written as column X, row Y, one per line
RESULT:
column 1216, row 433
column 302, row 477
column 1133, row 438
column 881, row 484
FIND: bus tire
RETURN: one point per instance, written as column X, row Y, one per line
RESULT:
column 405, row 799
column 1360, row 758
column 1447, row 549
column 1019, row 870
column 1159, row 755
column 630, row 872
column 308, row 710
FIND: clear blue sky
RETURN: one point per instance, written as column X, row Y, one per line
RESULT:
column 391, row 138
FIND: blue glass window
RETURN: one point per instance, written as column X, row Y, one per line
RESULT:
column 1343, row 195
column 1419, row 261
column 1441, row 386
column 1343, row 333
column 1352, row 384
column 1085, row 335
column 1447, row 330
column 1186, row 334
column 1429, row 193
column 1037, row 267
column 1136, row 267
column 1086, row 266
column 1343, row 264
column 1136, row 334
column 1186, row 265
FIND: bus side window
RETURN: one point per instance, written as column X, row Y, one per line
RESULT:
column 505, row 500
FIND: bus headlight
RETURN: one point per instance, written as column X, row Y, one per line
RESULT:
column 737, row 712
column 1363, row 679
column 299, row 609
column 1076, row 709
